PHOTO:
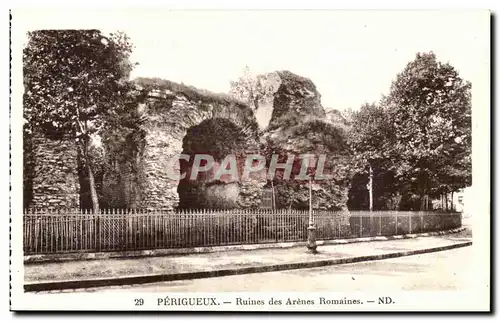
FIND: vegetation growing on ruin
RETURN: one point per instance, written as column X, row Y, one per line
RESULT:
column 75, row 81
column 190, row 92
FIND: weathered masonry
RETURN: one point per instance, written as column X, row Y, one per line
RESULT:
column 175, row 119
column 168, row 118
column 51, row 167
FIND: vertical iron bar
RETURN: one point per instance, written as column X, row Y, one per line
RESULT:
column 380, row 223
column 360, row 225
column 396, row 223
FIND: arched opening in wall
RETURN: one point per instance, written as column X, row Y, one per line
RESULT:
column 220, row 139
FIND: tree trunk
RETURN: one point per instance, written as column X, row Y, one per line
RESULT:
column 452, row 204
column 273, row 196
column 446, row 200
column 256, row 103
column 93, row 192
column 422, row 200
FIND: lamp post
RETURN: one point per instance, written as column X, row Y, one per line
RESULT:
column 311, row 229
column 370, row 191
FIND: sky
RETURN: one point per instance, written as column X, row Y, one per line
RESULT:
column 351, row 56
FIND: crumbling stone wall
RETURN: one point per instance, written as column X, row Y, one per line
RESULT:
column 120, row 186
column 165, row 130
column 295, row 96
column 166, row 116
column 140, row 180
column 299, row 125
column 55, row 182
column 171, row 110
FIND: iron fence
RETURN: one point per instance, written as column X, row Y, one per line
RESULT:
column 47, row 231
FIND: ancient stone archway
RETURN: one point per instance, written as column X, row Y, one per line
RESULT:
column 167, row 115
column 219, row 139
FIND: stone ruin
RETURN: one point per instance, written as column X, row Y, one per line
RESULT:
column 170, row 116
column 52, row 171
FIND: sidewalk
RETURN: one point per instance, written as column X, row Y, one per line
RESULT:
column 76, row 274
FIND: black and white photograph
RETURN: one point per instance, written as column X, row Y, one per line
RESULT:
column 250, row 160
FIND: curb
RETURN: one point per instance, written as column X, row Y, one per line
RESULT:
column 153, row 278
column 50, row 258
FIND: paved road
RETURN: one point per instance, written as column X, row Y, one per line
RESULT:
column 446, row 270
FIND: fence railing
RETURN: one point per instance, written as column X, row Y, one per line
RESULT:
column 121, row 230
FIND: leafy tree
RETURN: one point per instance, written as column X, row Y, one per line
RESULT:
column 250, row 88
column 370, row 137
column 370, row 133
column 75, row 81
column 430, row 109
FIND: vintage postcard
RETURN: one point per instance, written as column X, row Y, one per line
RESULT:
column 250, row 160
